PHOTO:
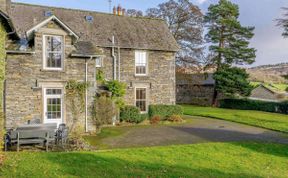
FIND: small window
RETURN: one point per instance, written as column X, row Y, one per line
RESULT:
column 89, row 18
column 53, row 52
column 141, row 99
column 99, row 62
column 141, row 63
column 48, row 13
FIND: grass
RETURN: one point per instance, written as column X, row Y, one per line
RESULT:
column 273, row 121
column 200, row 160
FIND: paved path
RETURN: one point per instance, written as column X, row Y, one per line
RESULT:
column 199, row 130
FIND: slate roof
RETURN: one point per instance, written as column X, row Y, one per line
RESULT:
column 86, row 48
column 130, row 32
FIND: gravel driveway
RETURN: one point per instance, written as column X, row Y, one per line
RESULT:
column 197, row 130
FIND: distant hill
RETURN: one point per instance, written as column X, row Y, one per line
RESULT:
column 269, row 73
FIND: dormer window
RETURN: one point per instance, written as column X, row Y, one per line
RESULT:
column 53, row 52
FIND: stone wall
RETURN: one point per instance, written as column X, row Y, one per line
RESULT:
column 194, row 94
column 160, row 81
column 25, row 77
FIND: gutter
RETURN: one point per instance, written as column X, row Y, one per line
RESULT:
column 19, row 52
column 86, row 56
column 10, row 23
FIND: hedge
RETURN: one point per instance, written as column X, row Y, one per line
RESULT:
column 132, row 114
column 246, row 104
column 164, row 111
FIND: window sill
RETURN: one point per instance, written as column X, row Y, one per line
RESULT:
column 139, row 75
column 52, row 70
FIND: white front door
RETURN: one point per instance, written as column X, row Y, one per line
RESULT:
column 53, row 105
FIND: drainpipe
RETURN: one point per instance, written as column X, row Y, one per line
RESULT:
column 114, row 58
column 119, row 62
column 86, row 94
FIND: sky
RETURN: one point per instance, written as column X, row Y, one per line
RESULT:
column 271, row 47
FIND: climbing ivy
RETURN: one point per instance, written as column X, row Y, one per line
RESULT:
column 100, row 76
column 75, row 95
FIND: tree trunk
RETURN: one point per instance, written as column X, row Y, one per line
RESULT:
column 219, row 64
column 214, row 100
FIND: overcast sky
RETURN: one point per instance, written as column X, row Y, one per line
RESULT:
column 271, row 46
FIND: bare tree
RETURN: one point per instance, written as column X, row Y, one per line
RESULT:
column 284, row 22
column 185, row 21
column 134, row 13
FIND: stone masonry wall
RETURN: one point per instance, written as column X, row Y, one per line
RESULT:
column 22, row 71
column 160, row 81
column 194, row 94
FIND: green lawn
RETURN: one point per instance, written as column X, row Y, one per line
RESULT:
column 199, row 160
column 273, row 121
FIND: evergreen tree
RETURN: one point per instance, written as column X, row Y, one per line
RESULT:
column 233, row 81
column 229, row 43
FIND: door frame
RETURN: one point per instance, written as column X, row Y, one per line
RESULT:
column 44, row 102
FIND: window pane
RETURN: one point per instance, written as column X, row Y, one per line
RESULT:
column 141, row 99
column 98, row 62
column 53, row 43
column 141, row 105
column 54, row 51
column 140, row 62
column 53, row 106
column 53, row 91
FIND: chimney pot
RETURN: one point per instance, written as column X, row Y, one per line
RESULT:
column 123, row 11
column 114, row 10
column 119, row 10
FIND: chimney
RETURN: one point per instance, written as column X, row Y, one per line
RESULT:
column 5, row 6
column 114, row 10
column 123, row 11
column 119, row 10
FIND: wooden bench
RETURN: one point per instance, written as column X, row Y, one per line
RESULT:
column 32, row 134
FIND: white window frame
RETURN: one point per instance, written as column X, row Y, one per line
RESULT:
column 45, row 52
column 146, row 64
column 101, row 62
column 146, row 98
column 45, row 97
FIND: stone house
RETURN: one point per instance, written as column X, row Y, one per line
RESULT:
column 265, row 93
column 196, row 89
column 48, row 46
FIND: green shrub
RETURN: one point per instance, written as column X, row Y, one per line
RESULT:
column 246, row 104
column 165, row 111
column 118, row 89
column 132, row 114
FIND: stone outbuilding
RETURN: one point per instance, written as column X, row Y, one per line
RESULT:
column 262, row 92
column 196, row 89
